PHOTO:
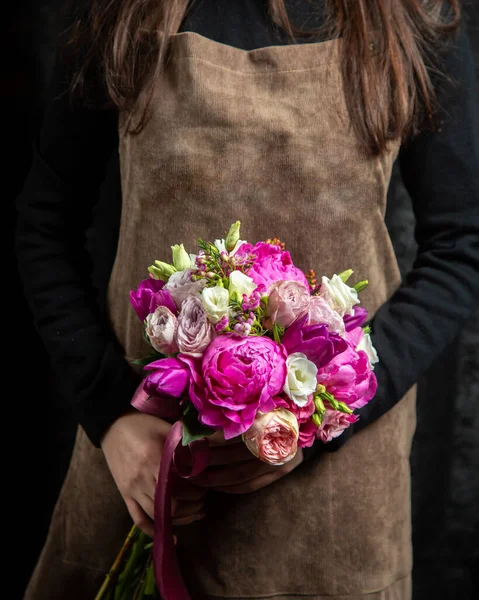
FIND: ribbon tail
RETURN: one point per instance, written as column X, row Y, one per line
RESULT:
column 165, row 564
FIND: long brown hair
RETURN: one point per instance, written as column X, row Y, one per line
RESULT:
column 388, row 87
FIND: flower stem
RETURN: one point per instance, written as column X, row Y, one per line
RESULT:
column 114, row 569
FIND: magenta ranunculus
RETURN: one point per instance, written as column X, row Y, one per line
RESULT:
column 141, row 297
column 307, row 429
column 357, row 320
column 349, row 378
column 333, row 425
column 236, row 378
column 273, row 264
column 170, row 378
column 319, row 345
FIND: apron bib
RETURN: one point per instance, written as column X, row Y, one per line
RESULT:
column 262, row 136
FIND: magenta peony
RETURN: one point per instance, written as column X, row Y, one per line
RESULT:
column 349, row 378
column 236, row 378
column 273, row 264
column 333, row 425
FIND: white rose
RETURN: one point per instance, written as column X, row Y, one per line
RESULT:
column 221, row 246
column 300, row 379
column 339, row 295
column 216, row 303
column 366, row 346
column 241, row 284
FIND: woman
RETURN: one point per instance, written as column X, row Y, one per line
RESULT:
column 220, row 116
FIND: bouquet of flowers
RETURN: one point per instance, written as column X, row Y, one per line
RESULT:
column 244, row 342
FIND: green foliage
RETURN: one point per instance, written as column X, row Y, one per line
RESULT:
column 193, row 429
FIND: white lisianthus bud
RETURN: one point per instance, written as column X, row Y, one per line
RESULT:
column 241, row 284
column 216, row 303
column 181, row 258
column 366, row 346
column 221, row 246
column 300, row 379
column 339, row 295
column 232, row 236
column 162, row 270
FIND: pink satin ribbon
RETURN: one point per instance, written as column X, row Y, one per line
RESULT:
column 174, row 460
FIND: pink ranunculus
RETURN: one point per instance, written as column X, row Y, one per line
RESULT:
column 195, row 331
column 307, row 429
column 287, row 302
column 169, row 378
column 236, row 378
column 315, row 341
column 273, row 264
column 348, row 376
column 141, row 297
column 273, row 436
column 161, row 328
column 321, row 313
column 333, row 424
column 181, row 286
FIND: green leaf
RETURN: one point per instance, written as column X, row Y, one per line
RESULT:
column 193, row 429
column 142, row 362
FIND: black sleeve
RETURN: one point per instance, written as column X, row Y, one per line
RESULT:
column 440, row 293
column 54, row 210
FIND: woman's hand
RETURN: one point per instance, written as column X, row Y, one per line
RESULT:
column 235, row 470
column 133, row 447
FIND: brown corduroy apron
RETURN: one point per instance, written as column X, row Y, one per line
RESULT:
column 262, row 136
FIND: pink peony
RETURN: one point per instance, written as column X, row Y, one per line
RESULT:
column 333, row 425
column 273, row 437
column 236, row 378
column 195, row 331
column 307, row 429
column 170, row 378
column 348, row 377
column 287, row 302
column 180, row 286
column 161, row 328
column 273, row 264
column 321, row 313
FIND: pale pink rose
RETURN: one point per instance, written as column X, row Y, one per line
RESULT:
column 161, row 328
column 273, row 436
column 195, row 331
column 287, row 302
column 333, row 425
column 320, row 312
column 307, row 429
column 180, row 286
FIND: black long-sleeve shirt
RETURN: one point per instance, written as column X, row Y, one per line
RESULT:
column 438, row 295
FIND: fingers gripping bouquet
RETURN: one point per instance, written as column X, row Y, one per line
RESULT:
column 246, row 343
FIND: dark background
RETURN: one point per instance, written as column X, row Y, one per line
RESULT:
column 445, row 455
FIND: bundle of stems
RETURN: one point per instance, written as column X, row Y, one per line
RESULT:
column 131, row 575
